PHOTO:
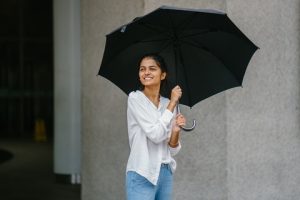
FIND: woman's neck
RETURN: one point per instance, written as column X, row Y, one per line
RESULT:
column 153, row 95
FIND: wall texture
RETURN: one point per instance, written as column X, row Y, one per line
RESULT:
column 105, row 145
column 247, row 141
column 263, row 133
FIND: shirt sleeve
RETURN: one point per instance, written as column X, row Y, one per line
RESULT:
column 155, row 129
column 174, row 151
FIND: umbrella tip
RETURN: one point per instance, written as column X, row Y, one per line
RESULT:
column 136, row 19
column 123, row 29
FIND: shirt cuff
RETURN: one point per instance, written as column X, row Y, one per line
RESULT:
column 175, row 150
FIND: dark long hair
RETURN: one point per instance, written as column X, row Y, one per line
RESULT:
column 162, row 65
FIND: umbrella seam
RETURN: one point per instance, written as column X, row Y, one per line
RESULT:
column 119, row 52
column 201, row 47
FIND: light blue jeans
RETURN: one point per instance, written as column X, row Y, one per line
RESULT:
column 139, row 188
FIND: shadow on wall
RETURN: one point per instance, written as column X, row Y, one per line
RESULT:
column 5, row 156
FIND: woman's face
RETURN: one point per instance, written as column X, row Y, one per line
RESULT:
column 150, row 73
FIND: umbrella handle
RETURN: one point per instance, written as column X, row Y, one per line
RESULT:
column 187, row 129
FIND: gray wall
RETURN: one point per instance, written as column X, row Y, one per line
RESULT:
column 105, row 143
column 67, row 98
column 263, row 133
column 247, row 142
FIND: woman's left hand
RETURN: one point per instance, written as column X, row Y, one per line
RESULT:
column 179, row 121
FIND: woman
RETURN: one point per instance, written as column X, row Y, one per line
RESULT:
column 153, row 131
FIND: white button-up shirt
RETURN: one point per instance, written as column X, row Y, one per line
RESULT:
column 149, row 131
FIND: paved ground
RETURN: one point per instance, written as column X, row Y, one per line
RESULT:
column 28, row 173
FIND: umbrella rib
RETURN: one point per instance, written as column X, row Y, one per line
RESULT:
column 154, row 40
column 187, row 21
column 208, row 51
column 213, row 31
column 157, row 29
column 180, row 58
column 168, row 42
column 164, row 46
column 204, row 31
column 185, row 75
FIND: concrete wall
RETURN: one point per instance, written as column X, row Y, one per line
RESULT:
column 105, row 143
column 263, row 133
column 247, row 139
column 67, row 83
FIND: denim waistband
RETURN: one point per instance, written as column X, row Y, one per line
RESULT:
column 165, row 165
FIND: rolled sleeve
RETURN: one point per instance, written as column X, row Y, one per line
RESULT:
column 166, row 117
column 175, row 150
column 155, row 129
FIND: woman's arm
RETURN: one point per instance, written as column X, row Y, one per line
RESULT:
column 174, row 139
column 156, row 129
column 174, row 142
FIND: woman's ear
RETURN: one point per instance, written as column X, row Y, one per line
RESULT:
column 163, row 76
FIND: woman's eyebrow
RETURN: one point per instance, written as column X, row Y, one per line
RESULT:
column 151, row 66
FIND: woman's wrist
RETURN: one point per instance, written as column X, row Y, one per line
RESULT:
column 172, row 105
column 173, row 102
column 173, row 145
column 174, row 140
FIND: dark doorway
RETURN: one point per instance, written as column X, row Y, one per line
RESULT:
column 26, row 103
column 26, row 67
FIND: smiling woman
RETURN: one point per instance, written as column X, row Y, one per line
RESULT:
column 152, row 73
column 153, row 131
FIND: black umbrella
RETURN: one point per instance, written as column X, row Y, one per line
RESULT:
column 204, row 51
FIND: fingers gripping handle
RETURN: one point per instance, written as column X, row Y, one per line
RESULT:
column 187, row 129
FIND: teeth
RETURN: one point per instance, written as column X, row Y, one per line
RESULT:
column 148, row 78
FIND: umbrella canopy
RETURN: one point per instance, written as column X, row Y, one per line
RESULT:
column 204, row 51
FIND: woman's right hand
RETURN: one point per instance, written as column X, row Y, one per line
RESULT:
column 174, row 99
column 176, row 94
